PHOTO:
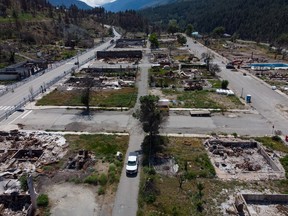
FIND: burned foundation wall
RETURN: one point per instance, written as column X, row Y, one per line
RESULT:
column 15, row 202
column 268, row 159
column 266, row 198
column 120, row 54
column 108, row 70
column 129, row 42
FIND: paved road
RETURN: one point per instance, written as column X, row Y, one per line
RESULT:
column 109, row 121
column 266, row 101
column 126, row 202
column 23, row 93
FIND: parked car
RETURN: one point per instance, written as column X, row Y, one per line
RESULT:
column 230, row 66
column 274, row 87
column 132, row 163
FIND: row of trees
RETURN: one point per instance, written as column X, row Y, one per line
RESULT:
column 242, row 17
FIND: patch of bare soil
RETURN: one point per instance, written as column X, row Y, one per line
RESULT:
column 282, row 109
column 158, row 92
column 225, row 101
column 73, row 200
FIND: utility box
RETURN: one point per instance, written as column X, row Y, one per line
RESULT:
column 248, row 98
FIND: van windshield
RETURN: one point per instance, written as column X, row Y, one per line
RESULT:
column 131, row 163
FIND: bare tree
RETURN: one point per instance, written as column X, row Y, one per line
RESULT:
column 86, row 93
column 31, row 90
column 214, row 68
column 208, row 57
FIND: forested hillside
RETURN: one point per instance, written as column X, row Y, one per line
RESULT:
column 262, row 20
column 122, row 5
column 68, row 3
column 36, row 29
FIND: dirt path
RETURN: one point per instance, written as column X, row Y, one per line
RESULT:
column 73, row 200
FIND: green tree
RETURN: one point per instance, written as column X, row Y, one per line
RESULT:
column 224, row 84
column 150, row 114
column 86, row 93
column 110, row 32
column 218, row 31
column 181, row 39
column 172, row 26
column 282, row 41
column 189, row 30
column 151, row 118
column 154, row 40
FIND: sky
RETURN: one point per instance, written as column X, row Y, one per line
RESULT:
column 94, row 3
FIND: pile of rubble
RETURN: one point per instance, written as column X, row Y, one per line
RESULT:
column 25, row 152
column 81, row 161
column 20, row 153
column 242, row 159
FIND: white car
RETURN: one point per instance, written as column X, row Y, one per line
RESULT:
column 132, row 163
column 274, row 87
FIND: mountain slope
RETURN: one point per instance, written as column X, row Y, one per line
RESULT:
column 258, row 19
column 68, row 3
column 122, row 5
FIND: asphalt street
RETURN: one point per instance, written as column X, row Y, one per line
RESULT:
column 251, row 124
column 23, row 92
column 269, row 103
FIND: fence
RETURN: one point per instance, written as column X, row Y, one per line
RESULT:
column 35, row 93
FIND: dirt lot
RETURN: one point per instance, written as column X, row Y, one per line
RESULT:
column 73, row 200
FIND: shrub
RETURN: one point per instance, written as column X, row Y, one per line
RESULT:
column 42, row 200
column 112, row 168
column 150, row 198
column 101, row 191
column 190, row 175
column 224, row 84
column 92, row 179
column 235, row 135
column 112, row 177
column 23, row 182
column 102, row 179
column 277, row 139
column 149, row 170
column 284, row 162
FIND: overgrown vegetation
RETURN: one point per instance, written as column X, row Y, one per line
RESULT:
column 274, row 143
column 204, row 99
column 160, row 193
column 125, row 97
column 284, row 162
column 190, row 192
column 23, row 182
column 103, row 146
column 42, row 200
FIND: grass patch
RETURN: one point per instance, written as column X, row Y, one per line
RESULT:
column 103, row 146
column 273, row 143
column 42, row 200
column 190, row 155
column 215, row 83
column 125, row 97
column 284, row 162
column 205, row 99
column 91, row 179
